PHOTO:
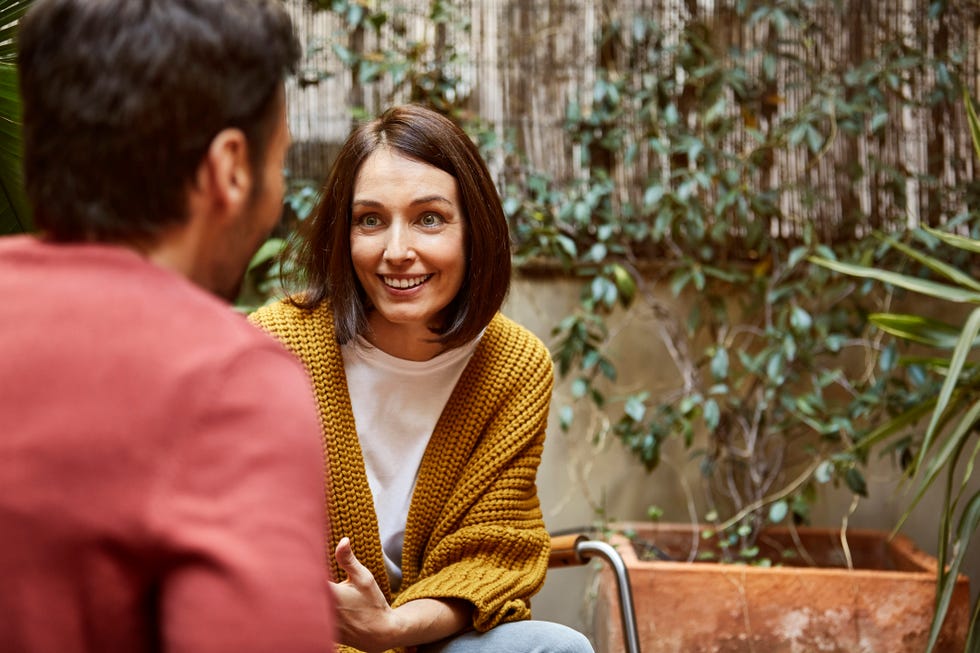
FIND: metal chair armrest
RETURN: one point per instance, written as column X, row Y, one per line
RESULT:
column 577, row 549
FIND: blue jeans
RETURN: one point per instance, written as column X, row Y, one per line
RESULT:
column 515, row 637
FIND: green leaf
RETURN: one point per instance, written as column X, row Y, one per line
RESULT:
column 814, row 139
column 567, row 245
column 897, row 424
column 689, row 403
column 719, row 364
column 774, row 368
column 879, row 120
column 15, row 214
column 565, row 417
column 957, row 360
column 355, row 14
column 918, row 328
column 795, row 256
column 953, row 274
column 947, row 453
column 800, row 319
column 346, row 56
column 968, row 244
column 887, row 359
column 922, row 286
column 597, row 252
column 972, row 119
column 855, row 481
column 269, row 250
column 712, row 414
column 624, row 283
column 635, row 408
column 778, row 511
column 652, row 196
column 824, row 472
column 10, row 12
column 969, row 521
column 679, row 279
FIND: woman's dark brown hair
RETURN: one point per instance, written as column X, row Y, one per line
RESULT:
column 423, row 135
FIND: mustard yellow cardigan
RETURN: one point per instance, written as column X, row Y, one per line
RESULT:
column 474, row 529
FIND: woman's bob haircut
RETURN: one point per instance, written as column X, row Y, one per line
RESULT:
column 324, row 255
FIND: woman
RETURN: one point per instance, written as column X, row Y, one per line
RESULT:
column 433, row 404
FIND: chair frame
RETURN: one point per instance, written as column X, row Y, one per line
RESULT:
column 578, row 549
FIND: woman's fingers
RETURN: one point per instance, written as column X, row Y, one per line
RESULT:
column 364, row 618
column 356, row 572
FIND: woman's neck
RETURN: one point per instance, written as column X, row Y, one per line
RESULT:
column 406, row 341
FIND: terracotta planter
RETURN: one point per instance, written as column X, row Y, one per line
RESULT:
column 884, row 604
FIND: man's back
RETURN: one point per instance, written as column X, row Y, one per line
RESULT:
column 160, row 470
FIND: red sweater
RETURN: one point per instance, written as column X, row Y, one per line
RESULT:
column 161, row 476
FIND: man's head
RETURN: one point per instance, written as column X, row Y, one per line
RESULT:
column 124, row 99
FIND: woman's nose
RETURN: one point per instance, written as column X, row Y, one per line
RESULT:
column 398, row 247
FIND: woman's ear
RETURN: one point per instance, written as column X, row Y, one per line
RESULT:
column 225, row 173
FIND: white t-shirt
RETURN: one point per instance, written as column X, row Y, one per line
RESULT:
column 396, row 405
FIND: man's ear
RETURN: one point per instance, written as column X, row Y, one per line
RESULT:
column 225, row 174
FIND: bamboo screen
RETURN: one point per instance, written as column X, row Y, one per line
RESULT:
column 521, row 61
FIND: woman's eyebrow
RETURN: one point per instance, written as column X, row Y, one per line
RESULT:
column 420, row 200
column 431, row 198
column 360, row 202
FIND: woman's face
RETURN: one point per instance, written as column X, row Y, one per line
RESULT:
column 407, row 242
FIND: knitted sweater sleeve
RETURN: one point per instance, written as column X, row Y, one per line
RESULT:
column 487, row 543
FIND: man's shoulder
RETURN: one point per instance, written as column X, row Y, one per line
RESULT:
column 78, row 303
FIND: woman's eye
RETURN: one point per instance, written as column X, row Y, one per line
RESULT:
column 431, row 220
column 368, row 221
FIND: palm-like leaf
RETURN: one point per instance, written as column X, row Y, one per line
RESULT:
column 954, row 413
column 915, row 284
column 14, row 210
column 921, row 329
column 10, row 13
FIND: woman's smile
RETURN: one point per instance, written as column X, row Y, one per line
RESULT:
column 405, row 283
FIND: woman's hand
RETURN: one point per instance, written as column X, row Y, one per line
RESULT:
column 364, row 618
column 366, row 621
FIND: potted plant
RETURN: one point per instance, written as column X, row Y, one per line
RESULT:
column 817, row 591
column 953, row 411
column 740, row 607
column 779, row 380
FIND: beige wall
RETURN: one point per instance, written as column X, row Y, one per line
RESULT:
column 577, row 477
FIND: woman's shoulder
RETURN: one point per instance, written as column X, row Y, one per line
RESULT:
column 512, row 340
column 284, row 316
column 307, row 332
column 503, row 327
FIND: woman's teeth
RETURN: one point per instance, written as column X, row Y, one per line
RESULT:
column 402, row 283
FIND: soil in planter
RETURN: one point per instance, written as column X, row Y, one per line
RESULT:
column 776, row 547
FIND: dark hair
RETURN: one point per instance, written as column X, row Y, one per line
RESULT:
column 427, row 136
column 122, row 99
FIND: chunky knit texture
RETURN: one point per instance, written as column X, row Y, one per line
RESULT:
column 474, row 529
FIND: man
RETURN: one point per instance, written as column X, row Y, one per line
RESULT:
column 161, row 477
